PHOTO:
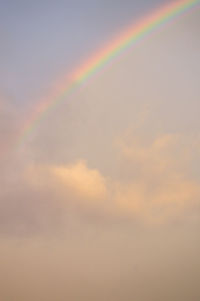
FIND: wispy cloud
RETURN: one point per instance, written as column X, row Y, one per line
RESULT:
column 159, row 187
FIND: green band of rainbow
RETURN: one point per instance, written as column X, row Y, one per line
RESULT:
column 108, row 53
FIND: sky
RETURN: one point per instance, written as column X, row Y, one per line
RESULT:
column 101, row 200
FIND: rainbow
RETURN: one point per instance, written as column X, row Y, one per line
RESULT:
column 131, row 35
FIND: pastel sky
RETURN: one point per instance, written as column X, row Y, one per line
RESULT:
column 101, row 201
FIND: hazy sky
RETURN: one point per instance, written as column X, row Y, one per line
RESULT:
column 101, row 201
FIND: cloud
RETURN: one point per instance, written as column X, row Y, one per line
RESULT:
column 162, row 186
column 155, row 181
column 158, row 187
column 81, row 181
column 159, row 204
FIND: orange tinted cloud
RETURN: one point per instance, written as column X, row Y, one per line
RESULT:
column 159, row 188
column 80, row 180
